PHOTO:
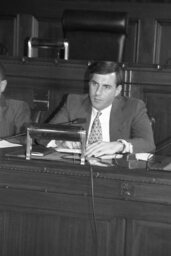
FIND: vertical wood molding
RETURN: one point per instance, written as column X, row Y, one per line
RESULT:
column 157, row 42
column 162, row 41
column 133, row 40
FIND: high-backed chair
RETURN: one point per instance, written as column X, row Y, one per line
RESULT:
column 95, row 35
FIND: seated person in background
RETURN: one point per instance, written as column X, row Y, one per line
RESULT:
column 122, row 124
column 14, row 114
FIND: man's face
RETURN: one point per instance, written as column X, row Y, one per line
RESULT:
column 103, row 90
column 3, row 84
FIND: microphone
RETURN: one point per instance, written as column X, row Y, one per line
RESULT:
column 13, row 136
column 74, row 121
column 164, row 145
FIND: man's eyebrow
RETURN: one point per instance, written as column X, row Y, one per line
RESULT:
column 107, row 85
column 94, row 81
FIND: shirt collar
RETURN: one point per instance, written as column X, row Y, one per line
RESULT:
column 103, row 111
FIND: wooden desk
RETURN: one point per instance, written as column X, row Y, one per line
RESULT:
column 46, row 209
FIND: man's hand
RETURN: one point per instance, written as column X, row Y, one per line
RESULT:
column 102, row 149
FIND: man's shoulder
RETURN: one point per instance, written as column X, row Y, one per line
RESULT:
column 14, row 102
column 77, row 98
column 132, row 101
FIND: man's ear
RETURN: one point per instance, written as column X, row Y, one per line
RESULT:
column 118, row 89
column 3, row 85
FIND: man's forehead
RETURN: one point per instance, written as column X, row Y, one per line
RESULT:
column 106, row 74
column 105, row 77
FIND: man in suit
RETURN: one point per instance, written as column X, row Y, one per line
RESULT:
column 125, row 125
column 14, row 114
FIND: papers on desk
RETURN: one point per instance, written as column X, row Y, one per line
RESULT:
column 7, row 144
column 62, row 148
column 143, row 156
column 69, row 150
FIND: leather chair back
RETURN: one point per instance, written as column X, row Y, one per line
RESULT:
column 95, row 35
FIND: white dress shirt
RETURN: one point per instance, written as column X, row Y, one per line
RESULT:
column 105, row 121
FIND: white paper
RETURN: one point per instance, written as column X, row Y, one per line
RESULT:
column 7, row 144
column 64, row 149
column 69, row 150
column 143, row 156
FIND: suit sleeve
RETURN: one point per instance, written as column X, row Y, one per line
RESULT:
column 69, row 111
column 62, row 115
column 22, row 116
column 141, row 130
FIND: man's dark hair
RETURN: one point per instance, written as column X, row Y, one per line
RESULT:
column 107, row 67
column 2, row 72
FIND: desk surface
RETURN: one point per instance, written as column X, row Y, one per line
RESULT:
column 120, row 170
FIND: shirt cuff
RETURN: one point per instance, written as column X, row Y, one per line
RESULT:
column 128, row 147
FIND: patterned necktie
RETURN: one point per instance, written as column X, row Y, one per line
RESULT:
column 96, row 130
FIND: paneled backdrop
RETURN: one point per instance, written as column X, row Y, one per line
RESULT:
column 149, row 31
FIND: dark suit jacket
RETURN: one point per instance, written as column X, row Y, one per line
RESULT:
column 14, row 114
column 128, row 119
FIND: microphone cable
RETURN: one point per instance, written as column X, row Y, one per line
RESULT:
column 73, row 121
column 13, row 136
column 149, row 159
column 93, row 211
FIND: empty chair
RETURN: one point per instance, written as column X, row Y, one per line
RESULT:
column 35, row 43
column 95, row 35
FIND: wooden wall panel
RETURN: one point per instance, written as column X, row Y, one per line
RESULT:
column 50, row 29
column 152, row 85
column 162, row 49
column 148, row 30
column 9, row 33
column 27, row 27
column 159, row 106
column 14, row 30
column 148, row 40
column 157, row 233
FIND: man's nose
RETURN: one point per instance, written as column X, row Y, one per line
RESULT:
column 99, row 89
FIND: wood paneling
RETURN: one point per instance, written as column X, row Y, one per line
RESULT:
column 152, row 84
column 9, row 33
column 148, row 40
column 162, row 51
column 133, row 41
column 142, row 232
